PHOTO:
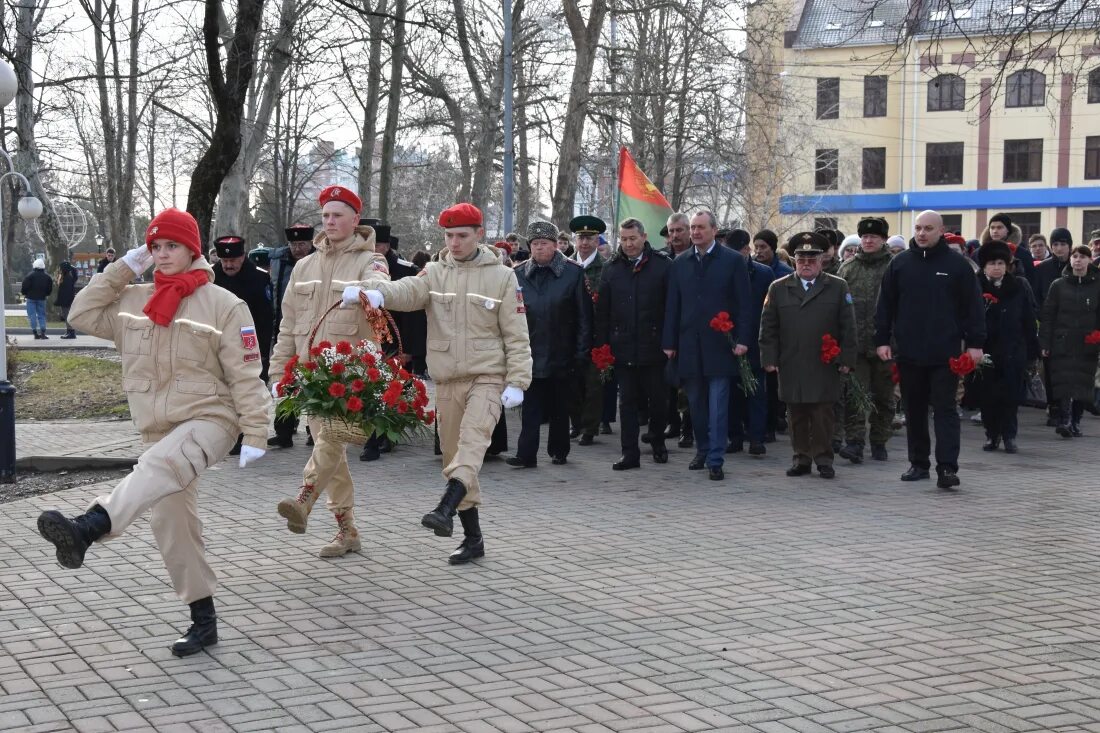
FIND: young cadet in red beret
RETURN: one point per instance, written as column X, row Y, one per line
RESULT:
column 479, row 355
column 344, row 259
column 191, row 373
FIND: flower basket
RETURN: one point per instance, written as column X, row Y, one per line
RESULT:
column 353, row 390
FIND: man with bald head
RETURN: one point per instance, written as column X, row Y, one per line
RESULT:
column 929, row 311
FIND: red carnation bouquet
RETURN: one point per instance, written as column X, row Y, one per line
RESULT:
column 356, row 391
column 964, row 364
column 990, row 299
column 1092, row 338
column 604, row 361
column 722, row 324
column 860, row 397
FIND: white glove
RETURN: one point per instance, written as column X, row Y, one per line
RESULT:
column 250, row 454
column 375, row 298
column 351, row 296
column 139, row 259
column 512, row 397
column 275, row 390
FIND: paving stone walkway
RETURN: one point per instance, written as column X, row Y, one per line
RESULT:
column 648, row 600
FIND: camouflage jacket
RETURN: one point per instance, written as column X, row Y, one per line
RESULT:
column 864, row 274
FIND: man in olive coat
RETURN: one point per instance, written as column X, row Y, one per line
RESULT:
column 587, row 402
column 800, row 309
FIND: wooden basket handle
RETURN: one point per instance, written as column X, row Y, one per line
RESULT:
column 367, row 308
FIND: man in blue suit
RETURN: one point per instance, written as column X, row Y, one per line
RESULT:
column 706, row 280
column 749, row 413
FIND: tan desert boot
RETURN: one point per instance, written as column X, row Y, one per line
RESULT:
column 347, row 537
column 296, row 510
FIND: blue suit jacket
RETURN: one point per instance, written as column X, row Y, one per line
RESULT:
column 760, row 277
column 698, row 291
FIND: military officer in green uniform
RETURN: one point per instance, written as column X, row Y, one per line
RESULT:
column 587, row 404
column 800, row 309
column 864, row 274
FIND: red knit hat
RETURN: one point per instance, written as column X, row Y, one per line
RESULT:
column 460, row 215
column 339, row 193
column 177, row 226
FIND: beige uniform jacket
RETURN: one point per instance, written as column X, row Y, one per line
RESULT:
column 316, row 283
column 476, row 320
column 205, row 365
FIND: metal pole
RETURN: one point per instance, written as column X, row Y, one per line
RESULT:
column 509, row 150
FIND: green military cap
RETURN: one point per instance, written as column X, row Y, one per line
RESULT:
column 807, row 243
column 587, row 225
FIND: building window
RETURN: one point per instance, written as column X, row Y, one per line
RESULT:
column 1030, row 222
column 824, row 222
column 826, row 169
column 952, row 223
column 1026, row 88
column 947, row 92
column 1090, row 223
column 874, row 167
column 1023, row 160
column 874, row 96
column 1094, row 86
column 1092, row 157
column 828, row 99
column 943, row 164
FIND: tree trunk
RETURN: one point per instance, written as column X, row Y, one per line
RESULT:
column 228, row 87
column 393, row 109
column 376, row 23
column 586, row 42
column 523, row 199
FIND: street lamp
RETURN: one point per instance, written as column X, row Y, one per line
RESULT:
column 99, row 243
column 29, row 208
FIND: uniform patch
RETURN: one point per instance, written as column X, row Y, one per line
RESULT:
column 848, row 298
column 520, row 307
column 251, row 356
column 248, row 337
column 379, row 267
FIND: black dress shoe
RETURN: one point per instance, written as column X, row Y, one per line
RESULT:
column 698, row 463
column 1010, row 445
column 1064, row 431
column 826, row 471
column 878, row 452
column 660, row 455
column 574, row 432
column 735, row 447
column 757, row 449
column 586, row 439
column 385, row 445
column 280, row 442
column 203, row 631
column 992, row 444
column 625, row 464
column 715, row 473
column 558, row 460
column 948, row 479
column 370, row 452
column 915, row 473
column 517, row 462
column 798, row 469
column 605, row 428
column 852, row 452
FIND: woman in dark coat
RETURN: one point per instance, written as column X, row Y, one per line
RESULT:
column 66, row 291
column 1071, row 311
column 1011, row 341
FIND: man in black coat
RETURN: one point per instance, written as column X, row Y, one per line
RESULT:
column 1046, row 272
column 559, row 321
column 930, row 305
column 299, row 244
column 630, row 313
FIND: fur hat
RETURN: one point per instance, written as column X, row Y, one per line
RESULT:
column 995, row 250
column 873, row 225
column 542, row 230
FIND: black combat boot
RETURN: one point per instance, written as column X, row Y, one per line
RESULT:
column 203, row 631
column 473, row 546
column 69, row 334
column 73, row 537
column 371, row 450
column 440, row 519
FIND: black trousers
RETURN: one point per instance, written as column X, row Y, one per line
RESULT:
column 935, row 387
column 777, row 410
column 548, row 396
column 638, row 386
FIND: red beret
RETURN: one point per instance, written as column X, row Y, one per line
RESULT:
column 339, row 193
column 503, row 246
column 460, row 215
column 177, row 226
column 954, row 239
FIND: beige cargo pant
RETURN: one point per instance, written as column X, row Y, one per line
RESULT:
column 327, row 469
column 468, row 411
column 166, row 479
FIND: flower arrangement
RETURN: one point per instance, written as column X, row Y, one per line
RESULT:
column 722, row 324
column 1092, row 338
column 990, row 299
column 356, row 391
column 604, row 361
column 860, row 397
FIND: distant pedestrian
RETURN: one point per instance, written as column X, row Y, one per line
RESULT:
column 108, row 258
column 37, row 286
column 66, row 291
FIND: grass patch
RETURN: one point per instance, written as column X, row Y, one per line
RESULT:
column 51, row 386
column 22, row 322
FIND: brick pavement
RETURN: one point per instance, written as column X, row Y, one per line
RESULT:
column 645, row 601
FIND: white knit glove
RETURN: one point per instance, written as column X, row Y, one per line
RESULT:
column 275, row 390
column 511, row 397
column 138, row 259
column 351, row 296
column 250, row 454
column 375, row 298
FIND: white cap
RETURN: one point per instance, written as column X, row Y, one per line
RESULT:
column 39, row 264
column 896, row 240
column 850, row 239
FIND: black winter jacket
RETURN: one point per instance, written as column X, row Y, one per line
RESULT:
column 1046, row 272
column 930, row 305
column 1070, row 312
column 559, row 315
column 66, row 286
column 630, row 307
column 1011, row 338
column 37, row 285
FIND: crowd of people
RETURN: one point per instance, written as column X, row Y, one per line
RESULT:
column 712, row 337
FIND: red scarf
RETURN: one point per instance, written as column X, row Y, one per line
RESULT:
column 168, row 291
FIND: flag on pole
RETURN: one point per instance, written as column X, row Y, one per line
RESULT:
column 640, row 199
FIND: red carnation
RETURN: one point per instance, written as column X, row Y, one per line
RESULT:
column 315, row 351
column 962, row 365
column 403, row 375
column 292, row 363
column 722, row 322
column 324, row 345
column 354, row 404
column 1093, row 338
column 337, row 368
column 310, row 366
column 830, row 349
column 429, row 417
column 336, row 390
column 373, row 374
column 368, row 359
column 990, row 299
column 343, row 347
column 402, row 407
column 357, row 385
